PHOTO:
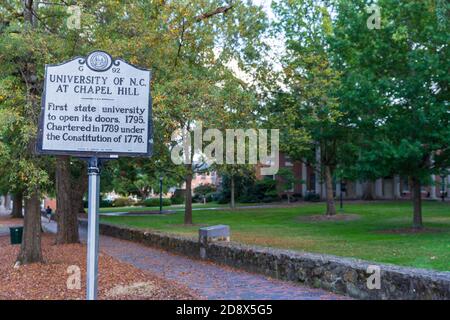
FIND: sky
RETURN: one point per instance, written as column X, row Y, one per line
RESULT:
column 276, row 44
column 266, row 6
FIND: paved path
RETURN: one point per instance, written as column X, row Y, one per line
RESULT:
column 4, row 231
column 4, row 228
column 177, row 208
column 210, row 280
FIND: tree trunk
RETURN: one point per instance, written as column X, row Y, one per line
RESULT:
column 77, row 202
column 79, row 188
column 232, row 202
column 368, row 192
column 417, row 203
column 67, row 231
column 30, row 250
column 17, row 205
column 188, row 196
column 331, row 208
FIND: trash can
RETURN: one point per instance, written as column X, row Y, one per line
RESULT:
column 16, row 234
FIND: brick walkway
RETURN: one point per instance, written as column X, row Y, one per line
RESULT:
column 210, row 280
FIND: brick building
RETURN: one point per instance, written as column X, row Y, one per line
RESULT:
column 308, row 179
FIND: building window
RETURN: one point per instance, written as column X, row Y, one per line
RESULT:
column 405, row 185
column 312, row 182
column 288, row 161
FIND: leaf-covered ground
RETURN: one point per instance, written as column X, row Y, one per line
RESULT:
column 117, row 280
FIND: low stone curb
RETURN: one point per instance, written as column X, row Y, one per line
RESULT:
column 340, row 275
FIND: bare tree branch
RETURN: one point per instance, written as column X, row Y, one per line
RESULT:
column 180, row 42
column 209, row 14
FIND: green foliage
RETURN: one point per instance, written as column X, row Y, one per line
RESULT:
column 154, row 202
column 122, row 202
column 191, row 80
column 24, row 50
column 308, row 108
column 244, row 179
column 374, row 100
column 287, row 179
column 255, row 191
column 396, row 86
column 204, row 189
column 104, row 203
column 311, row 196
column 137, row 176
column 205, row 192
column 178, row 197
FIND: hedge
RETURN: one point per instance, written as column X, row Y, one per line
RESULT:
column 154, row 202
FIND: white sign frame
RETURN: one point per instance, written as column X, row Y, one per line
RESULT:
column 104, row 64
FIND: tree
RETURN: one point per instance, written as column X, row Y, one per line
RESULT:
column 32, row 36
column 234, row 173
column 241, row 103
column 396, row 84
column 308, row 108
column 287, row 182
column 20, row 74
column 187, row 47
column 139, row 177
column 196, row 92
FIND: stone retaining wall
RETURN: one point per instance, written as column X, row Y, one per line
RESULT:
column 341, row 275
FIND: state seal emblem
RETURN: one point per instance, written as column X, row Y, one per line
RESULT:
column 99, row 61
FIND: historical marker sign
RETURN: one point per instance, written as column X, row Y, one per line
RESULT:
column 96, row 106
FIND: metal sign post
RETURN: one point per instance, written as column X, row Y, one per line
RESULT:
column 92, row 236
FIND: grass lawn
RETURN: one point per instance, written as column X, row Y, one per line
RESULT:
column 361, row 238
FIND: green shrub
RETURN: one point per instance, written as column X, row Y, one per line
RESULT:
column 154, row 202
column 213, row 196
column 197, row 198
column 106, row 203
column 223, row 200
column 248, row 199
column 270, row 196
column 177, row 199
column 122, row 202
column 311, row 196
column 103, row 203
column 204, row 189
column 178, row 196
column 139, row 203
